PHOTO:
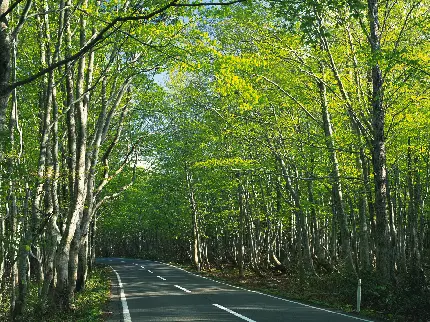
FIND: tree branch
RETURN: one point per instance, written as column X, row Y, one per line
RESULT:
column 292, row 98
column 100, row 36
column 22, row 19
column 116, row 194
column 207, row 4
column 10, row 9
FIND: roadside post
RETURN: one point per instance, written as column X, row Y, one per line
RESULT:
column 359, row 295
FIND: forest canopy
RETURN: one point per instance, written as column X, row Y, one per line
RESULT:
column 259, row 135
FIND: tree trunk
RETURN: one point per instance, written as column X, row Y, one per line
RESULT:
column 5, row 66
column 194, row 212
column 240, row 243
column 23, row 260
column 413, row 210
column 303, row 246
column 346, row 254
column 378, row 149
column 401, row 240
column 364, row 250
column 82, row 264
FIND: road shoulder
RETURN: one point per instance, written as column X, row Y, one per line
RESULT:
column 113, row 310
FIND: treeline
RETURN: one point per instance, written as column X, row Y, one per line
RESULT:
column 295, row 138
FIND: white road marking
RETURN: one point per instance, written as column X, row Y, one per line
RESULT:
column 184, row 289
column 234, row 313
column 142, row 266
column 125, row 311
column 122, row 262
column 162, row 278
column 150, row 271
column 271, row 296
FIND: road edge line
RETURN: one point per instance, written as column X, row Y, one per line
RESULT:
column 125, row 311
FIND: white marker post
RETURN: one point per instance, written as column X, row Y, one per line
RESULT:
column 359, row 295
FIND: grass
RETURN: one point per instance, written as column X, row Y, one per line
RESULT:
column 87, row 307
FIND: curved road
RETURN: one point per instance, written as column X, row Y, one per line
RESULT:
column 154, row 291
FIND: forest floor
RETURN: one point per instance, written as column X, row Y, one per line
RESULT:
column 335, row 292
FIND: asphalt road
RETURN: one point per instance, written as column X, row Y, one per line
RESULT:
column 154, row 291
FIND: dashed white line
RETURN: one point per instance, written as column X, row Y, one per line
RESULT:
column 184, row 289
column 142, row 266
column 150, row 271
column 161, row 278
column 125, row 311
column 271, row 296
column 234, row 313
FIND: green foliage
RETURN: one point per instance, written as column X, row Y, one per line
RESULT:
column 242, row 91
column 88, row 306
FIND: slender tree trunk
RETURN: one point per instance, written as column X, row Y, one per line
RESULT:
column 391, row 198
column 401, row 241
column 69, row 103
column 303, row 246
column 51, row 197
column 194, row 212
column 23, row 259
column 240, row 243
column 383, row 266
column 67, row 254
column 82, row 264
column 364, row 235
column 75, row 233
column 413, row 210
column 13, row 240
column 91, row 160
column 316, row 246
column 333, row 237
column 252, row 235
column 93, row 231
column 5, row 66
column 14, row 223
column 336, row 185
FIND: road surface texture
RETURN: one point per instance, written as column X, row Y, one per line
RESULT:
column 152, row 291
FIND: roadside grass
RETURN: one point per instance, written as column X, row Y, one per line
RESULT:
column 87, row 307
column 335, row 291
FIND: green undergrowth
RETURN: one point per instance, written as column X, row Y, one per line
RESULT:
column 335, row 291
column 87, row 307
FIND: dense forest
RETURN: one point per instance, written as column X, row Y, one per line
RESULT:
column 257, row 134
